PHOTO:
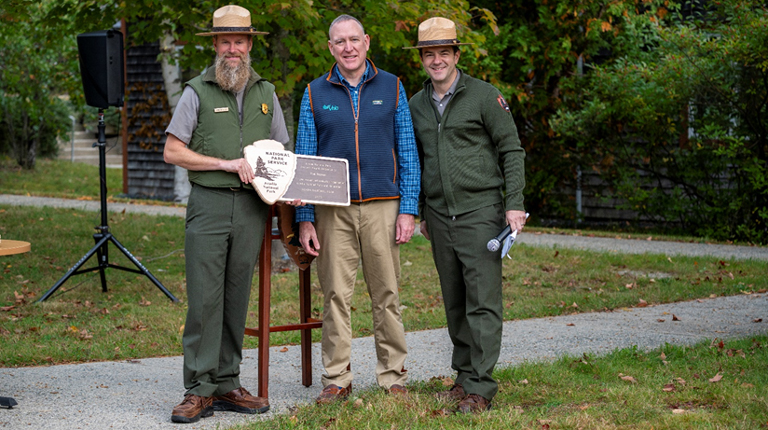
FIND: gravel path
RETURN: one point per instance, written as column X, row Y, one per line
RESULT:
column 139, row 394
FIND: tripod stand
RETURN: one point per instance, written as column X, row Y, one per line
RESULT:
column 103, row 237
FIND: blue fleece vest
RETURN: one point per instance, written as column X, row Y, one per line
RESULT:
column 370, row 146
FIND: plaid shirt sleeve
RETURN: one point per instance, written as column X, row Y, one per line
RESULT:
column 407, row 157
column 306, row 144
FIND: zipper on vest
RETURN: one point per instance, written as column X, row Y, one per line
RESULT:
column 240, row 117
column 356, row 115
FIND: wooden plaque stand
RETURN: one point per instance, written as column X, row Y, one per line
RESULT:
column 305, row 325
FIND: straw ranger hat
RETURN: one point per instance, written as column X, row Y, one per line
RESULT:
column 231, row 19
column 437, row 32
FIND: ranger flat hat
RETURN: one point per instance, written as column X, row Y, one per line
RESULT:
column 437, row 32
column 231, row 19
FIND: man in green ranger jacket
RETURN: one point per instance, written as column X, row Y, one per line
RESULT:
column 221, row 111
column 472, row 186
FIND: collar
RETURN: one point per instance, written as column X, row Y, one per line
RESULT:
column 452, row 88
column 334, row 76
column 458, row 83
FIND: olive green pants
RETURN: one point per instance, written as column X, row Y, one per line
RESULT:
column 470, row 278
column 224, row 232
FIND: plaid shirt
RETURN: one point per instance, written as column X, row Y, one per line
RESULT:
column 407, row 154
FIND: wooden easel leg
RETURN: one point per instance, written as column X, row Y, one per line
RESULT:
column 306, row 334
column 265, row 273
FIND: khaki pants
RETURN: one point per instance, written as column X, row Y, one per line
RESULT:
column 346, row 235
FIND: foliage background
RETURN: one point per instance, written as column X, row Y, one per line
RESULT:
column 663, row 102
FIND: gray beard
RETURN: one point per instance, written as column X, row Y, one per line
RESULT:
column 233, row 78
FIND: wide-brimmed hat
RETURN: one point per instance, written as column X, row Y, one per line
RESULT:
column 231, row 19
column 437, row 32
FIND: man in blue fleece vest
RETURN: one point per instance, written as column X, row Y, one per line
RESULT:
column 473, row 180
column 360, row 113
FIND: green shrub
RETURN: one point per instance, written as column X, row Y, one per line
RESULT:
column 678, row 128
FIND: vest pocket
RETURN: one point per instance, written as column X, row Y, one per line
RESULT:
column 394, row 166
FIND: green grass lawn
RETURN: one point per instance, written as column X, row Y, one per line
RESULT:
column 134, row 319
column 58, row 178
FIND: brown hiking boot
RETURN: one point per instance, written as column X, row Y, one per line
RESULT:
column 240, row 400
column 331, row 393
column 474, row 403
column 192, row 409
column 456, row 393
column 397, row 390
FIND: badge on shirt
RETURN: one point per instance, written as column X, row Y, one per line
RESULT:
column 221, row 109
column 264, row 108
column 378, row 102
column 502, row 103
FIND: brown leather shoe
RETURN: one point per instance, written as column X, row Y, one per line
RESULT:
column 454, row 394
column 331, row 393
column 474, row 403
column 240, row 400
column 192, row 409
column 397, row 390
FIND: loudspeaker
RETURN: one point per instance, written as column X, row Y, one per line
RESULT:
column 101, row 67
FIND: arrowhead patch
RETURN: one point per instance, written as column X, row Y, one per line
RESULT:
column 273, row 167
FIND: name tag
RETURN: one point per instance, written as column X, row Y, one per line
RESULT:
column 221, row 109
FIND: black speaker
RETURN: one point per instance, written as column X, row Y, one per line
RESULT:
column 101, row 67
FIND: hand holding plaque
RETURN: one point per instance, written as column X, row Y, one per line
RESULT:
column 281, row 175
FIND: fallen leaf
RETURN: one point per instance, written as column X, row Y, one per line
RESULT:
column 680, row 381
column 524, row 382
column 679, row 411
column 358, row 403
column 661, row 320
column 747, row 385
column 574, row 305
column 675, row 318
column 663, row 356
column 628, row 378
column 144, row 302
column 571, row 325
column 284, row 349
column 642, row 303
column 669, row 388
column 629, row 286
column 716, row 378
column 757, row 320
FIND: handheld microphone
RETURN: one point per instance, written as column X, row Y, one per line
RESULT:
column 495, row 243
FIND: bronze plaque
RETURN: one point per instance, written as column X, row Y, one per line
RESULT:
column 320, row 181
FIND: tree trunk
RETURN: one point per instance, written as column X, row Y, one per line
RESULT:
column 173, row 89
column 281, row 52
